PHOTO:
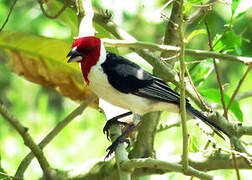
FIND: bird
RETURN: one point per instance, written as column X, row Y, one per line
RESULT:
column 125, row 84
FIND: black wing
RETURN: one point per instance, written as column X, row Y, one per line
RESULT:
column 128, row 77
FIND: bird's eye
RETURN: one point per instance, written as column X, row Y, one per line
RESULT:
column 87, row 50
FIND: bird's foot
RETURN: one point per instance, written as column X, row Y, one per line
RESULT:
column 120, row 139
column 115, row 144
column 114, row 121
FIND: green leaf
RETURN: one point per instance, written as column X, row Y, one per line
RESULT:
column 199, row 72
column 43, row 61
column 187, row 8
column 229, row 41
column 103, row 33
column 243, row 13
column 214, row 95
column 67, row 17
column 190, row 3
column 235, row 4
column 194, row 34
column 194, row 146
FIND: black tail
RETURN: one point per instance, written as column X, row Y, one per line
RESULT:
column 218, row 130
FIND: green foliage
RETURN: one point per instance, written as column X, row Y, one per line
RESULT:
column 35, row 47
column 229, row 41
column 199, row 72
column 68, row 17
column 235, row 4
column 44, row 62
column 194, row 146
column 195, row 33
column 214, row 96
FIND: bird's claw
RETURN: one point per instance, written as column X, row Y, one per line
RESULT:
column 109, row 123
column 115, row 144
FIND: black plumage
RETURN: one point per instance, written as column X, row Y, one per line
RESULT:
column 128, row 77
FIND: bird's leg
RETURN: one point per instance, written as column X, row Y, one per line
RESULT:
column 113, row 121
column 121, row 138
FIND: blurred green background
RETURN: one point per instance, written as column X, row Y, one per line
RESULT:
column 82, row 142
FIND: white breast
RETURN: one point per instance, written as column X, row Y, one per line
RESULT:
column 101, row 87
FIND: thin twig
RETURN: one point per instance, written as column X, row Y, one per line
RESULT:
column 61, row 125
column 28, row 141
column 10, row 177
column 204, row 8
column 170, row 58
column 236, row 165
column 195, row 62
column 204, row 5
column 174, row 49
column 193, row 86
column 216, row 70
column 166, row 4
column 182, row 87
column 243, row 95
column 168, row 125
column 165, row 17
column 67, row 3
column 218, row 148
column 8, row 16
column 238, row 87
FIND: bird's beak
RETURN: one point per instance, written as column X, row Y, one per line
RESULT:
column 74, row 55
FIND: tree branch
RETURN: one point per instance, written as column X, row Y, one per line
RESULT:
column 174, row 49
column 121, row 154
column 201, row 11
column 144, row 145
column 28, row 141
column 60, row 126
column 171, row 32
column 216, row 161
column 163, row 165
column 182, row 84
